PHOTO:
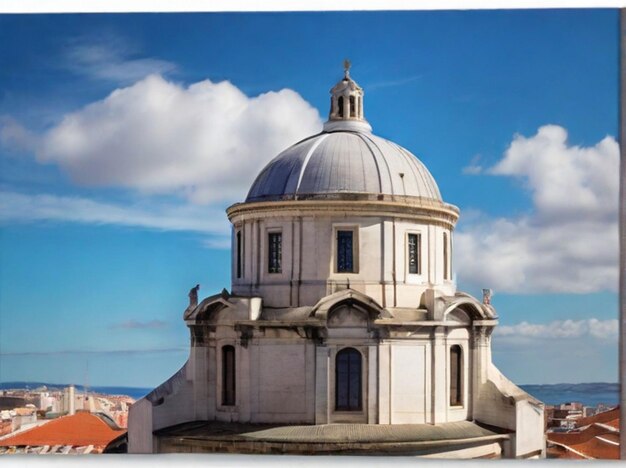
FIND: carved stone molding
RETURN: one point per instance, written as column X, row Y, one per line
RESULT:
column 481, row 336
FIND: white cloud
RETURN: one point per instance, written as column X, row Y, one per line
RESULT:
column 206, row 141
column 569, row 240
column 600, row 329
column 111, row 59
column 17, row 207
column 474, row 167
column 567, row 182
column 218, row 243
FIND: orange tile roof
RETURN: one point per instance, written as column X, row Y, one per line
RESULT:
column 603, row 417
column 558, row 451
column 597, row 437
column 79, row 429
column 598, row 448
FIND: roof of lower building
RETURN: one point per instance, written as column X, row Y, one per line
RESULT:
column 606, row 417
column 596, row 437
column 80, row 429
column 328, row 438
column 360, row 433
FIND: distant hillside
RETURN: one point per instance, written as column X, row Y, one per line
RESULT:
column 134, row 392
column 590, row 394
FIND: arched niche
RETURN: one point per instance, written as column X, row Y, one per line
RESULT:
column 459, row 315
column 348, row 315
column 326, row 305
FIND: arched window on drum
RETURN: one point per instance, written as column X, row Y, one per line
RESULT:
column 348, row 380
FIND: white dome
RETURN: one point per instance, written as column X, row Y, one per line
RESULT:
column 344, row 158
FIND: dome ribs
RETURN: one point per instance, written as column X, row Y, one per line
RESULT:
column 343, row 162
column 382, row 155
column 418, row 170
column 307, row 158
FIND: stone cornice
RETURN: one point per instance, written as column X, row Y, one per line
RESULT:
column 425, row 210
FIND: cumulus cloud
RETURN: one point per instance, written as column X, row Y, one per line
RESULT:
column 568, row 242
column 111, row 58
column 600, row 329
column 18, row 207
column 567, row 182
column 205, row 142
column 474, row 167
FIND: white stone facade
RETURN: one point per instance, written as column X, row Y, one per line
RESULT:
column 343, row 308
column 381, row 264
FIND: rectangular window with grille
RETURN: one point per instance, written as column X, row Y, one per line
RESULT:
column 414, row 241
column 275, row 253
column 345, row 252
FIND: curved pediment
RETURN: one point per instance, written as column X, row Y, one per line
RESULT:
column 324, row 309
column 458, row 315
column 208, row 308
column 348, row 316
column 461, row 304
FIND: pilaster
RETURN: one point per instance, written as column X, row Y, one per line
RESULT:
column 372, row 385
column 439, row 376
column 384, row 384
column 480, row 346
column 321, row 385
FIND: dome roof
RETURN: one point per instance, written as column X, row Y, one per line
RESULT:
column 345, row 158
column 343, row 162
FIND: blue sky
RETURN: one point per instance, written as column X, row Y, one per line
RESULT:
column 112, row 205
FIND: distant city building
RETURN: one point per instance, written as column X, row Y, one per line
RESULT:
column 571, row 406
column 17, row 418
column 343, row 319
column 565, row 415
column 589, row 411
column 9, row 401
